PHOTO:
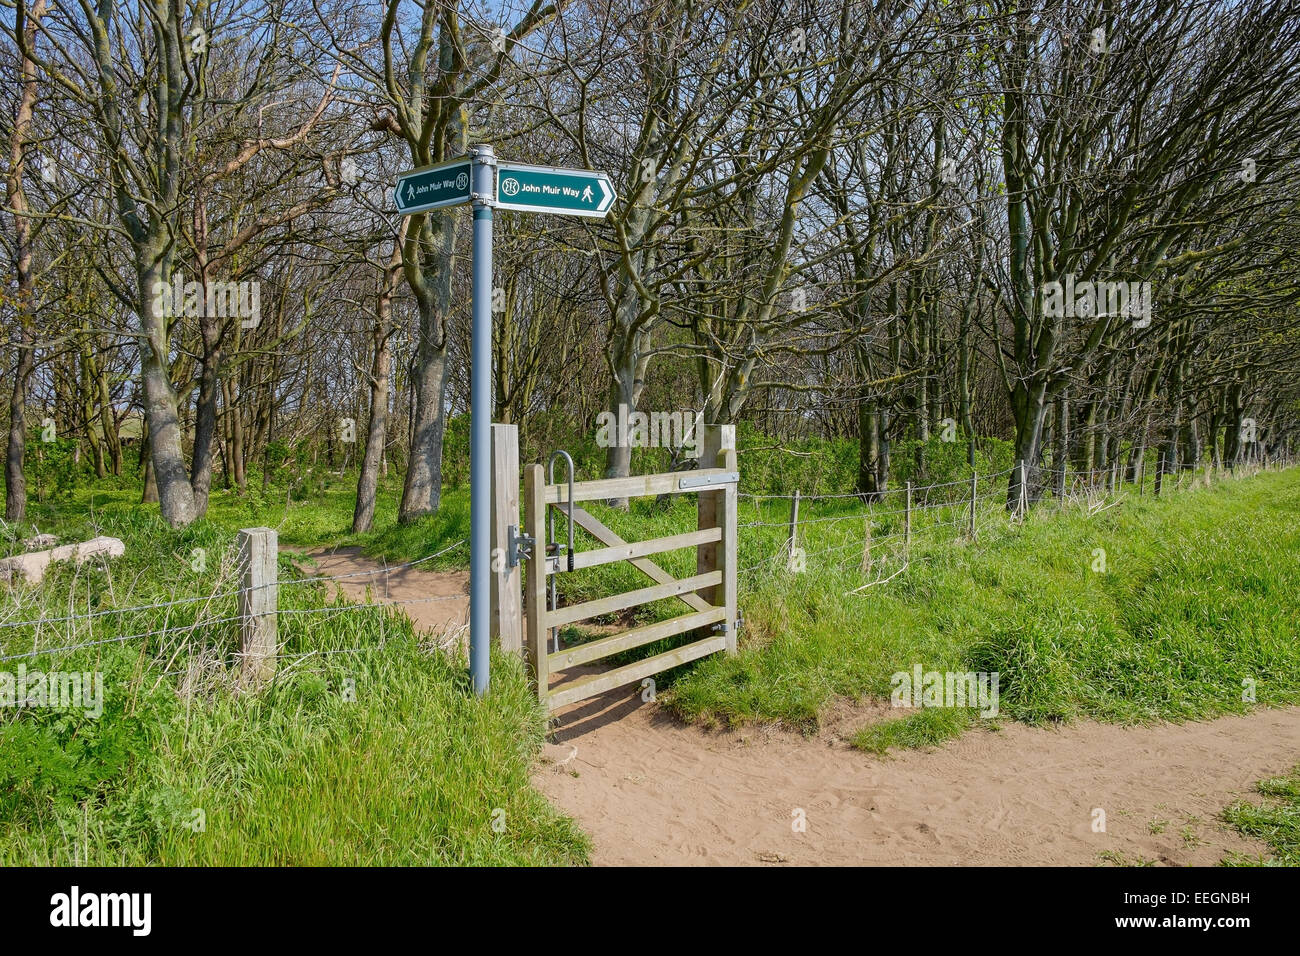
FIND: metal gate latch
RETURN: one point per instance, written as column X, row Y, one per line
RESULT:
column 518, row 546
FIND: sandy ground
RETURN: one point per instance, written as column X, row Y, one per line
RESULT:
column 652, row 791
column 437, row 601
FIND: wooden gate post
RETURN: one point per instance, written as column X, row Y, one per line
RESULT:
column 258, row 599
column 718, row 509
column 507, row 610
column 535, row 619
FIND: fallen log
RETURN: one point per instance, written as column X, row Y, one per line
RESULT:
column 31, row 567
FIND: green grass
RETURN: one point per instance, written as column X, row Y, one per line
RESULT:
column 1276, row 821
column 320, row 515
column 1198, row 596
column 924, row 728
column 369, row 747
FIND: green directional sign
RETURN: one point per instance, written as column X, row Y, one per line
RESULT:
column 433, row 187
column 574, row 192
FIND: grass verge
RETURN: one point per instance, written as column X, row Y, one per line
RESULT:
column 1179, row 608
column 1276, row 821
column 368, row 748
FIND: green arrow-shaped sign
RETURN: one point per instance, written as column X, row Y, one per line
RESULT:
column 433, row 187
column 575, row 192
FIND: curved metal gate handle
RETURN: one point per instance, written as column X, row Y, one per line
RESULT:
column 550, row 529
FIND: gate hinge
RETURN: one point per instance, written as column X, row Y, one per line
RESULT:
column 725, row 627
column 518, row 546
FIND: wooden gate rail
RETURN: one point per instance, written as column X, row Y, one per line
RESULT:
column 640, row 486
column 710, row 594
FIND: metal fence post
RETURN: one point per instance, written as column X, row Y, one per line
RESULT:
column 974, row 481
column 866, row 544
column 907, row 525
column 792, row 541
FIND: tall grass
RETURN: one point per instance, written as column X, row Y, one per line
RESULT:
column 1196, row 607
column 368, row 748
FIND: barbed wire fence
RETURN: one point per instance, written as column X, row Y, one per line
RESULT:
column 228, row 629
column 877, row 534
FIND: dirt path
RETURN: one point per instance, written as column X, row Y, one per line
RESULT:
column 371, row 581
column 651, row 791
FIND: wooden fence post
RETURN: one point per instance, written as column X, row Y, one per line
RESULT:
column 974, row 480
column 907, row 525
column 507, row 594
column 718, row 509
column 535, row 627
column 793, row 539
column 258, row 599
column 1022, row 505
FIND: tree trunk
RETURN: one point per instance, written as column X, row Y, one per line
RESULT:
column 175, row 497
column 873, row 452
column 205, row 414
column 108, row 421
column 624, row 390
column 1061, row 438
column 86, row 387
column 15, row 476
column 1029, row 405
column 422, row 491
column 380, row 370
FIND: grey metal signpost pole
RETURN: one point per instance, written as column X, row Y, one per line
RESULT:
column 525, row 188
column 480, row 473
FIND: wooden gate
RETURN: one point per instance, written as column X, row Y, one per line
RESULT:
column 710, row 595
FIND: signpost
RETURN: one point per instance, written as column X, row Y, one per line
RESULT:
column 469, row 179
column 433, row 187
column 577, row 192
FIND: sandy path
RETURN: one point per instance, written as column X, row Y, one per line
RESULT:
column 417, row 586
column 651, row 791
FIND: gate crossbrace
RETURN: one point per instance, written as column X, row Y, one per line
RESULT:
column 587, row 522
